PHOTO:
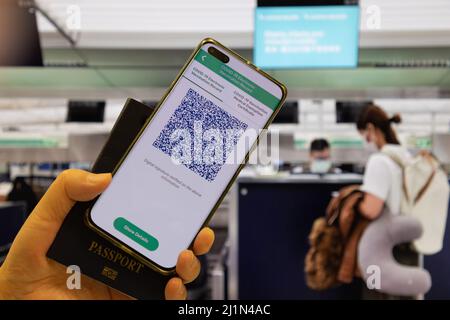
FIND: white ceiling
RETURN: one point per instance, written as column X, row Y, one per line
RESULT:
column 182, row 23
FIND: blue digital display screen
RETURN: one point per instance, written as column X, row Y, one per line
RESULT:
column 306, row 37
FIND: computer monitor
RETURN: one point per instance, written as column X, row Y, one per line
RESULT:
column 86, row 111
column 306, row 34
column 348, row 111
column 19, row 36
column 288, row 113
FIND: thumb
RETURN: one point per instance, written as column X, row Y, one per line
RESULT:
column 70, row 186
column 40, row 229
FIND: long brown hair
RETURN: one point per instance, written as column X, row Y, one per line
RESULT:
column 379, row 119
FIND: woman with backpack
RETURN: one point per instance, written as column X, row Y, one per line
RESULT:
column 334, row 239
column 400, row 210
column 383, row 179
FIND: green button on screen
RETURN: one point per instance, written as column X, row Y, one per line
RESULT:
column 136, row 234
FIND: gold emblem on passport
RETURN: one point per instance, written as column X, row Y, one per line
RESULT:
column 109, row 273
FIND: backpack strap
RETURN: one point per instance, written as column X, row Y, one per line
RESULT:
column 425, row 186
column 401, row 165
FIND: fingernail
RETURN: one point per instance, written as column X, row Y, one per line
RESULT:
column 97, row 178
column 193, row 259
column 182, row 290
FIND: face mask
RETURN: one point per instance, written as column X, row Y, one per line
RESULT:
column 320, row 166
column 371, row 147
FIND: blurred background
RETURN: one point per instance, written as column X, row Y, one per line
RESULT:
column 68, row 66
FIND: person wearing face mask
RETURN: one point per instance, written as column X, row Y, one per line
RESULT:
column 382, row 181
column 320, row 156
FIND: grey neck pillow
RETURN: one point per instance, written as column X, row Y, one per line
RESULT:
column 376, row 259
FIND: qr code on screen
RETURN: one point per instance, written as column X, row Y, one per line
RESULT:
column 208, row 134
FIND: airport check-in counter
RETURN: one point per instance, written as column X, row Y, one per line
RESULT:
column 270, row 221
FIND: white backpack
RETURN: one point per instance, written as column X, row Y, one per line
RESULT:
column 425, row 197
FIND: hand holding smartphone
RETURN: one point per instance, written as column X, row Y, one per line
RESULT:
column 179, row 168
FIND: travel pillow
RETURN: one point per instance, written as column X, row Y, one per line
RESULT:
column 375, row 249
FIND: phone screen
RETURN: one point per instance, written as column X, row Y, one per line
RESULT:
column 179, row 167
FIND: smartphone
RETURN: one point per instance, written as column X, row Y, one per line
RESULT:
column 178, row 169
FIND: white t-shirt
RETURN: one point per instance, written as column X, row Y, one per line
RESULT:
column 383, row 177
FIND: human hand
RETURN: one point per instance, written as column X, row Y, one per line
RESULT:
column 27, row 273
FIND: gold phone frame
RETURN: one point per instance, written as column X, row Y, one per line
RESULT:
column 132, row 252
